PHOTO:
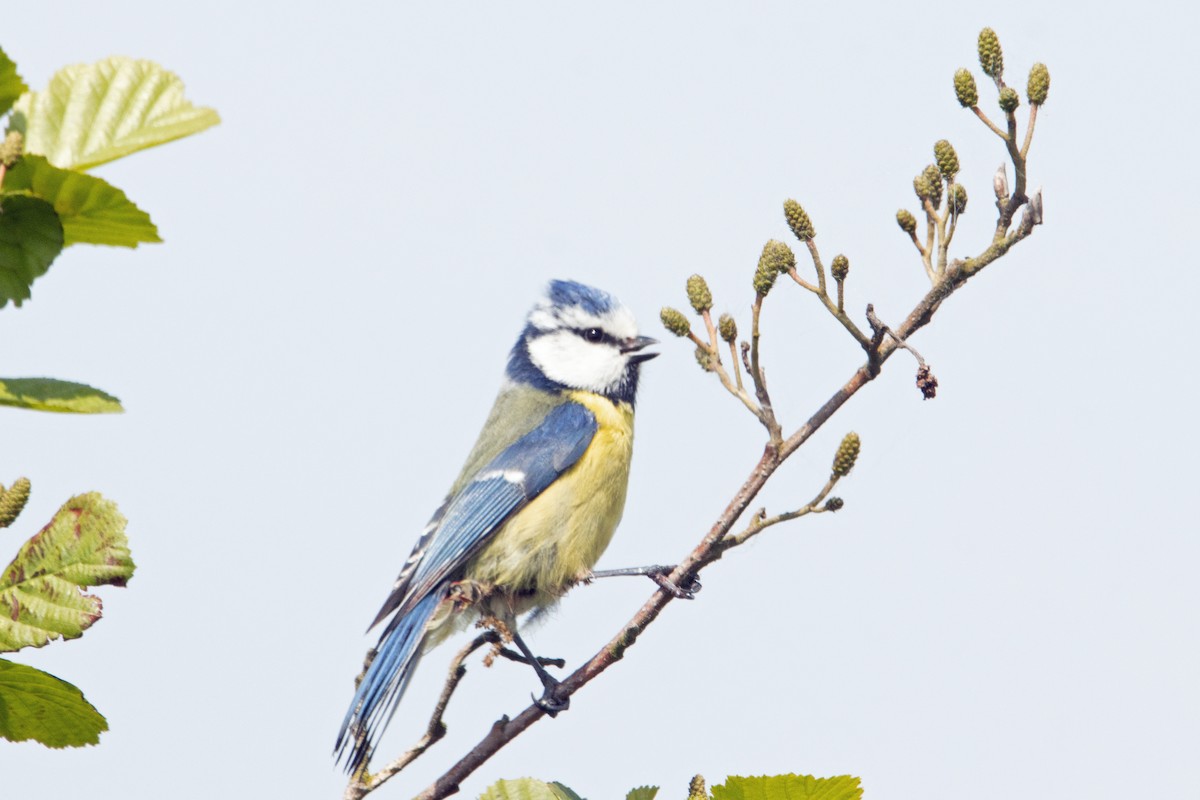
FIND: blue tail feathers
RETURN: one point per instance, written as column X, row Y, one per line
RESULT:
column 384, row 684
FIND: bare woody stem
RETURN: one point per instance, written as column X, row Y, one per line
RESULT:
column 836, row 308
column 761, row 521
column 706, row 315
column 759, row 377
column 1033, row 110
column 930, row 238
column 733, row 361
column 993, row 126
column 1009, row 209
column 715, row 543
column 737, row 390
column 363, row 783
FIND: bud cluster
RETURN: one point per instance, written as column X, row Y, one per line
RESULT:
column 965, row 89
column 674, row 321
column 798, row 221
column 776, row 259
column 956, row 198
column 946, row 158
column 847, row 454
column 839, row 268
column 698, row 294
column 906, row 221
column 13, row 500
column 1039, row 84
column 727, row 328
column 1009, row 99
column 991, row 58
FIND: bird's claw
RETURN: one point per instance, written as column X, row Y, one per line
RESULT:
column 685, row 591
column 550, row 702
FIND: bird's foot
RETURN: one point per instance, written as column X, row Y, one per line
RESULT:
column 660, row 574
column 550, row 702
column 545, row 661
column 685, row 590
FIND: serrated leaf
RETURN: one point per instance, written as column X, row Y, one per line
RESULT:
column 11, row 85
column 526, row 789
column 93, row 113
column 31, row 237
column 563, row 792
column 642, row 793
column 41, row 597
column 50, row 394
column 91, row 210
column 788, row 787
column 36, row 705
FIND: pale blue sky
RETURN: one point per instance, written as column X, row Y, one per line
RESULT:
column 1008, row 602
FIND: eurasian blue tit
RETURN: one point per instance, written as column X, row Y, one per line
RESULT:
column 536, row 504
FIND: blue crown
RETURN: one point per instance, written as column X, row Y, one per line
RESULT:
column 590, row 299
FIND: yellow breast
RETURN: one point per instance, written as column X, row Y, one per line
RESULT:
column 557, row 539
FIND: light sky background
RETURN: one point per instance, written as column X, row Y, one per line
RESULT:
column 1006, row 605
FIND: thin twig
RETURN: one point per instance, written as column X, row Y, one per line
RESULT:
column 706, row 315
column 995, row 128
column 761, row 521
column 733, row 360
column 718, row 368
column 817, row 265
column 796, row 277
column 759, row 377
column 834, row 308
column 363, row 782
column 879, row 327
column 1033, row 111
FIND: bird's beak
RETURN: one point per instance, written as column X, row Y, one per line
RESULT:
column 634, row 345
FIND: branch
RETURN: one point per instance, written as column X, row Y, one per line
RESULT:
column 761, row 521
column 946, row 278
column 714, row 545
column 363, row 783
column 759, row 377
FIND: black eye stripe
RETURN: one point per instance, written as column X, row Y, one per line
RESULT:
column 594, row 335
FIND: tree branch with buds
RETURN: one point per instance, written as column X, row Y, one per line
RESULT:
column 942, row 201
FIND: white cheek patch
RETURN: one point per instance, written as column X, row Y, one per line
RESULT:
column 565, row 358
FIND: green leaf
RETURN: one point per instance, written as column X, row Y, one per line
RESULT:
column 11, row 85
column 41, row 597
column 49, row 394
column 788, row 787
column 36, row 705
column 642, row 793
column 562, row 792
column 527, row 789
column 31, row 236
column 93, row 113
column 91, row 210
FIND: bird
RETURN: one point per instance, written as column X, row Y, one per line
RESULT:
column 534, row 507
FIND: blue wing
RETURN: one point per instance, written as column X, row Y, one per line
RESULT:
column 506, row 485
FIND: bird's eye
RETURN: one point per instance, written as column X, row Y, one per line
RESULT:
column 593, row 334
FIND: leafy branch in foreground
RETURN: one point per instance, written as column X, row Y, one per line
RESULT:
column 942, row 201
column 88, row 115
column 42, row 599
